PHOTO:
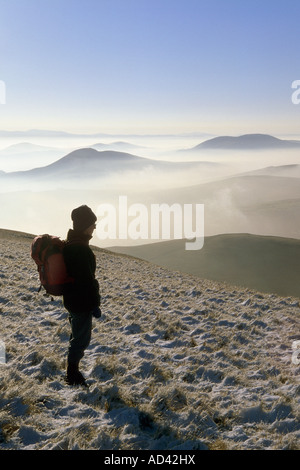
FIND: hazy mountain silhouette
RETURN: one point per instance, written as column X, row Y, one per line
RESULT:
column 116, row 146
column 24, row 156
column 46, row 133
column 24, row 147
column 247, row 142
column 87, row 164
column 83, row 163
column 292, row 171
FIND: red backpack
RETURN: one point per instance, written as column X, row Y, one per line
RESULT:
column 47, row 252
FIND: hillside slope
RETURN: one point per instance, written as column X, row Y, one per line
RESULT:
column 267, row 264
column 175, row 362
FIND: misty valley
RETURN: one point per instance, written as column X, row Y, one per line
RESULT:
column 246, row 185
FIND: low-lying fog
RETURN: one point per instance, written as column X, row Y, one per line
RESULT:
column 264, row 202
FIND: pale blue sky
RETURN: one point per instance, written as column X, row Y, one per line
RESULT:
column 220, row 66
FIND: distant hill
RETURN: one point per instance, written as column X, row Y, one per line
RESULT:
column 24, row 155
column 91, row 163
column 24, row 147
column 291, row 171
column 116, row 146
column 86, row 160
column 46, row 133
column 247, row 142
column 80, row 164
column 263, row 263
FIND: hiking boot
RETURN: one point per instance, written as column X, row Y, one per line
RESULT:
column 74, row 376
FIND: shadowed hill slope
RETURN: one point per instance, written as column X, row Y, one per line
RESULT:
column 267, row 264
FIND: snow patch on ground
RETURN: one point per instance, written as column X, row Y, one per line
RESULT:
column 174, row 363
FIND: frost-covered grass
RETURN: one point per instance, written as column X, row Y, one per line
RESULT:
column 174, row 363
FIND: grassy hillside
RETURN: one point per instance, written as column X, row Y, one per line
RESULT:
column 267, row 264
column 175, row 363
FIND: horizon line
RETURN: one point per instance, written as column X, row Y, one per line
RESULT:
column 40, row 132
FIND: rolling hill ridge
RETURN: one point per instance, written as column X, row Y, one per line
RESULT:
column 264, row 263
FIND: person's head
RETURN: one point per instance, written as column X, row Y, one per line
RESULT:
column 84, row 220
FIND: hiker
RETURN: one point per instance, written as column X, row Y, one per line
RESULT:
column 81, row 297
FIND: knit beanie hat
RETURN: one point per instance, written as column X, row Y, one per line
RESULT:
column 83, row 217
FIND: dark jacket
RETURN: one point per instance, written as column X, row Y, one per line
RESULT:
column 81, row 296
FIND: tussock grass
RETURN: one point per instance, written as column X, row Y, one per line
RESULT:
column 208, row 369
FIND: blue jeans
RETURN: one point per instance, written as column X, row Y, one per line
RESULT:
column 81, row 330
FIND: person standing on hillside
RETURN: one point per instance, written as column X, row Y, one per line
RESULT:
column 82, row 297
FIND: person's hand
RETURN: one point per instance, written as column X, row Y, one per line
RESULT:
column 96, row 312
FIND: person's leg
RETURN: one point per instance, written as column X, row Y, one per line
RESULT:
column 81, row 328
